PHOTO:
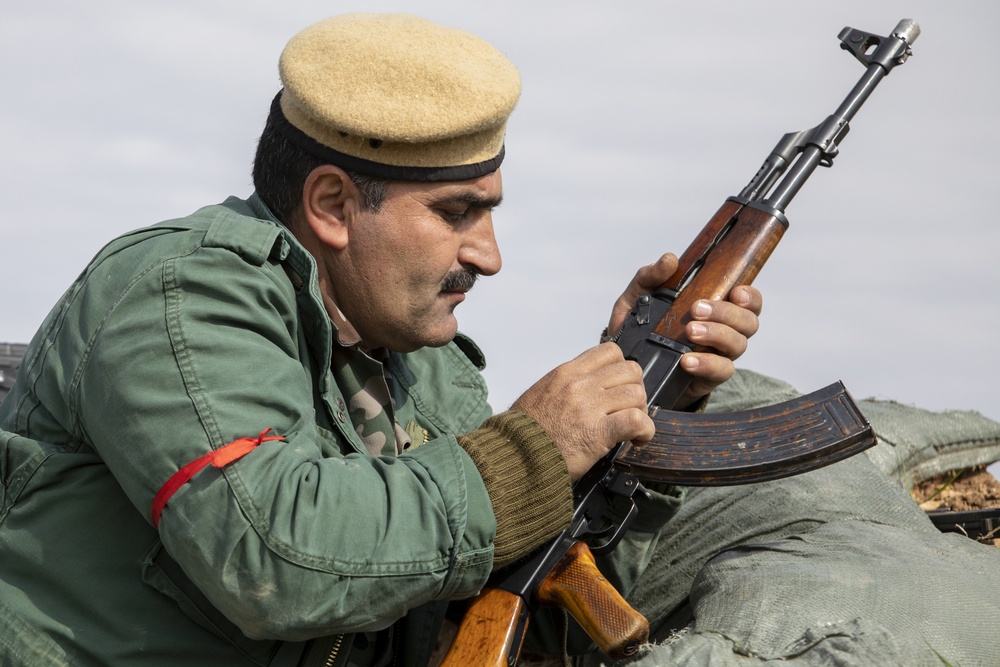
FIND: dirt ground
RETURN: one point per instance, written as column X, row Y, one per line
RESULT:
column 968, row 489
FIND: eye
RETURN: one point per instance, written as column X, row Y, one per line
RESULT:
column 454, row 216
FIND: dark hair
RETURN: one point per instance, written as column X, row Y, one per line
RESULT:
column 280, row 169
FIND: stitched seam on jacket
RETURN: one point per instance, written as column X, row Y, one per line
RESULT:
column 172, row 307
column 457, row 525
column 16, row 483
column 49, row 335
column 22, row 417
column 73, row 393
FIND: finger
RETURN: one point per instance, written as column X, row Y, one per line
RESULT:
column 594, row 358
column 722, row 339
column 595, row 370
column 633, row 424
column 646, row 280
column 742, row 320
column 621, row 373
column 650, row 277
column 747, row 297
column 622, row 397
column 710, row 370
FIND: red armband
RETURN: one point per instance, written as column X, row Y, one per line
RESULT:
column 220, row 457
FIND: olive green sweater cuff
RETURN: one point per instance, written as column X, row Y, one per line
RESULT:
column 526, row 479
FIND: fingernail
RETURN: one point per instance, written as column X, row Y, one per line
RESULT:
column 698, row 329
column 702, row 309
column 690, row 363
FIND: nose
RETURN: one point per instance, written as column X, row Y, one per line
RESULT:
column 480, row 251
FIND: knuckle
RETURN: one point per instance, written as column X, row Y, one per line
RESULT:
column 641, row 426
column 638, row 394
column 610, row 351
column 742, row 346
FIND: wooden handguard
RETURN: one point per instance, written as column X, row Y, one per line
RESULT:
column 728, row 252
column 489, row 633
column 577, row 586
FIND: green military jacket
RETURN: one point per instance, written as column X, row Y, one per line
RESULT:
column 175, row 341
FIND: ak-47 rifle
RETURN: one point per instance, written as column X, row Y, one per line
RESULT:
column 688, row 449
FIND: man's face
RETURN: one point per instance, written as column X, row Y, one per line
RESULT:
column 406, row 267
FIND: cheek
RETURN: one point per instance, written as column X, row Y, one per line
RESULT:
column 403, row 268
column 422, row 266
column 391, row 291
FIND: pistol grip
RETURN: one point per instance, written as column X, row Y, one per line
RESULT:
column 577, row 586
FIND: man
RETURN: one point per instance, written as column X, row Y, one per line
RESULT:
column 255, row 436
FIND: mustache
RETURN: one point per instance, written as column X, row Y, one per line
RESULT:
column 460, row 280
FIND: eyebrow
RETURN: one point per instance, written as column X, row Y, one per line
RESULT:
column 471, row 199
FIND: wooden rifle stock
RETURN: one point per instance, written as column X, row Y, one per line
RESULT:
column 491, row 632
column 797, row 436
column 496, row 620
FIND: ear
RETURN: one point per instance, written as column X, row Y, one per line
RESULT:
column 329, row 204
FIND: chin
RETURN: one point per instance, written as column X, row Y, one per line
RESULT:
column 404, row 347
column 439, row 341
column 437, row 337
column 440, row 336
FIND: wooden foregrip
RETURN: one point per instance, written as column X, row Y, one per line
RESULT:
column 577, row 586
column 730, row 251
column 489, row 633
column 702, row 244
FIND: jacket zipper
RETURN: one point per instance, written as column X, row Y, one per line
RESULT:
column 331, row 657
column 397, row 640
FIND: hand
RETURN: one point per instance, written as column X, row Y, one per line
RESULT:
column 588, row 404
column 724, row 326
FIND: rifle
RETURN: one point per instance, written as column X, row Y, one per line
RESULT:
column 689, row 449
column 10, row 359
column 980, row 524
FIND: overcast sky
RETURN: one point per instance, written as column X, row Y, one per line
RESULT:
column 637, row 120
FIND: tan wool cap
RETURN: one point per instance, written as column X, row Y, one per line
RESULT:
column 397, row 96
